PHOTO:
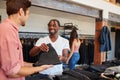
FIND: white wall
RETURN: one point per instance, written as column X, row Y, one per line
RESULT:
column 39, row 18
column 111, row 54
column 101, row 5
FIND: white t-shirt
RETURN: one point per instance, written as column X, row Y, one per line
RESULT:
column 60, row 44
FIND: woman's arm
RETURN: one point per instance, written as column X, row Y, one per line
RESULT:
column 71, row 52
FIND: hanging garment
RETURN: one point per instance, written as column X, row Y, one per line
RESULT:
column 86, row 51
column 27, row 45
column 49, row 57
column 104, row 39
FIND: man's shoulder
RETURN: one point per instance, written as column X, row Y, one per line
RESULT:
column 63, row 38
column 5, row 27
column 4, row 23
column 42, row 39
column 45, row 37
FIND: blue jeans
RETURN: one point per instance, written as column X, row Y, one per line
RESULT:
column 73, row 60
column 65, row 66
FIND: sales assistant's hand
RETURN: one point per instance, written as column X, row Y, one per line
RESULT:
column 60, row 57
column 44, row 47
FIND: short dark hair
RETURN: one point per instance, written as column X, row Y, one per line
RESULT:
column 55, row 20
column 13, row 6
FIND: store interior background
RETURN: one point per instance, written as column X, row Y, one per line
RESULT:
column 40, row 16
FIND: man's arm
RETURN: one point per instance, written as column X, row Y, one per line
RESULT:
column 25, row 71
column 28, row 64
column 36, row 49
column 64, row 56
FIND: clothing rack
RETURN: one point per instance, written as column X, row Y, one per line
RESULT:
column 86, row 51
column 32, row 34
column 28, row 40
column 85, row 36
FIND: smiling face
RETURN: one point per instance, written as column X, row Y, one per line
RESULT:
column 53, row 27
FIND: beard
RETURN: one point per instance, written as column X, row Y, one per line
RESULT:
column 52, row 32
column 23, row 24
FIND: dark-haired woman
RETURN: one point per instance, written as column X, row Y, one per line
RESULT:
column 74, row 55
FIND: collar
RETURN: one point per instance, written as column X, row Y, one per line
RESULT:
column 12, row 23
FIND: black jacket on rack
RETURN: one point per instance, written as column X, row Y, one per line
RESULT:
column 86, row 51
column 27, row 44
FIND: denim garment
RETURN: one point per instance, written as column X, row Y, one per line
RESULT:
column 73, row 60
column 104, row 39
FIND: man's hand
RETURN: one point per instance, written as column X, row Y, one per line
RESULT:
column 44, row 47
column 44, row 67
column 60, row 57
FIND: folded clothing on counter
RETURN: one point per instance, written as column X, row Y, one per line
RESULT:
column 49, row 57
